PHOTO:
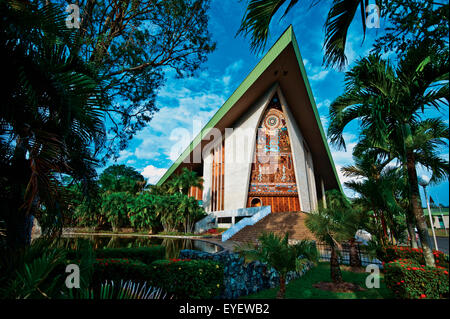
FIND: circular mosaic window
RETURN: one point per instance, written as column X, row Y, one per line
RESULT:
column 272, row 122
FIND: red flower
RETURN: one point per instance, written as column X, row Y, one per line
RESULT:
column 423, row 296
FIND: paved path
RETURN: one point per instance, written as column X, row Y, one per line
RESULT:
column 442, row 244
column 227, row 245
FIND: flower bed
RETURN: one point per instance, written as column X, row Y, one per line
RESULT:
column 392, row 253
column 409, row 279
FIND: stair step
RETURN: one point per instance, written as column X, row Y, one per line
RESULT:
column 279, row 223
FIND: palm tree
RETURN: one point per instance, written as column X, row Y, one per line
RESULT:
column 259, row 14
column 191, row 212
column 327, row 225
column 377, row 186
column 278, row 254
column 52, row 123
column 381, row 189
column 353, row 220
column 389, row 104
column 184, row 181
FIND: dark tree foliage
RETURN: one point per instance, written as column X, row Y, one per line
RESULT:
column 121, row 178
column 411, row 22
column 51, row 121
column 136, row 43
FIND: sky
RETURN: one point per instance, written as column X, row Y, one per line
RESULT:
column 187, row 104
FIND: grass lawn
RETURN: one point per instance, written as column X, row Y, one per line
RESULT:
column 302, row 288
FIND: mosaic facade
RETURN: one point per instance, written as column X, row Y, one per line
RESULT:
column 272, row 173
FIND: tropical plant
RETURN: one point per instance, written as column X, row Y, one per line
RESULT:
column 37, row 272
column 408, row 22
column 184, row 181
column 191, row 212
column 327, row 225
column 120, row 291
column 121, row 178
column 277, row 253
column 259, row 14
column 142, row 211
column 390, row 104
column 115, row 208
column 381, row 190
column 51, row 117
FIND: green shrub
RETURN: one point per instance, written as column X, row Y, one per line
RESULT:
column 410, row 280
column 117, row 269
column 188, row 278
column 180, row 278
column 392, row 253
column 145, row 254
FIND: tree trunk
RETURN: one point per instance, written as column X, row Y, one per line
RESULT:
column 18, row 230
column 417, row 210
column 282, row 291
column 411, row 231
column 336, row 275
column 18, row 222
column 355, row 261
column 383, row 224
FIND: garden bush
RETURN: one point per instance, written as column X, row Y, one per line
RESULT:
column 145, row 254
column 409, row 279
column 392, row 253
column 179, row 278
column 188, row 278
column 117, row 269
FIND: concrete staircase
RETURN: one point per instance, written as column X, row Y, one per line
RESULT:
column 279, row 223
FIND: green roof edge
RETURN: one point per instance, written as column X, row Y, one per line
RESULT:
column 314, row 107
column 283, row 41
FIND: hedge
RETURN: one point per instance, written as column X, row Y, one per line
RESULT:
column 189, row 278
column 392, row 253
column 117, row 269
column 410, row 280
column 179, row 278
column 145, row 254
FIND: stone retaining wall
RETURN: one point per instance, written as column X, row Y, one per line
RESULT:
column 242, row 279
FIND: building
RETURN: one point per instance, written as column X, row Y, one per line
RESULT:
column 265, row 146
column 439, row 217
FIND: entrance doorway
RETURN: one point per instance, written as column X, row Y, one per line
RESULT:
column 256, row 202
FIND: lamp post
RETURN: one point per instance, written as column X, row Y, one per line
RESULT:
column 423, row 181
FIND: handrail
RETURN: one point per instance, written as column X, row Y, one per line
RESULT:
column 248, row 221
column 210, row 221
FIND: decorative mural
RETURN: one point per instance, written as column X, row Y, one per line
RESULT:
column 272, row 171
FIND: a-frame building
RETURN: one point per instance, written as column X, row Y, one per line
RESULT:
column 265, row 146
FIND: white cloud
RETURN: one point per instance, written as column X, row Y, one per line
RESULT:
column 319, row 76
column 235, row 67
column 123, row 155
column 226, row 80
column 324, row 121
column 153, row 174
column 145, row 153
column 326, row 103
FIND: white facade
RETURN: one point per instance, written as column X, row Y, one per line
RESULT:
column 239, row 153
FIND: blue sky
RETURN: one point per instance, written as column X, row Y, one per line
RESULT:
column 187, row 104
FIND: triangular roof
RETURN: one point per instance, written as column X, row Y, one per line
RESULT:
column 282, row 64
